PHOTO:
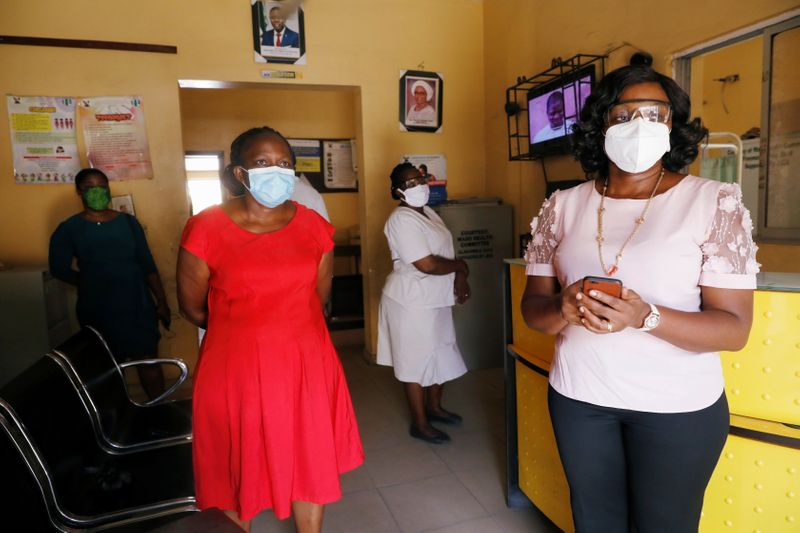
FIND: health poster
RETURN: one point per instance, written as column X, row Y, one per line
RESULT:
column 433, row 167
column 340, row 170
column 115, row 136
column 43, row 139
column 308, row 154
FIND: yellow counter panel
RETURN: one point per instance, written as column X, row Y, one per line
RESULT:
column 541, row 475
column 755, row 487
column 763, row 380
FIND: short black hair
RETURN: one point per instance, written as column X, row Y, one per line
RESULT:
column 397, row 177
column 85, row 173
column 558, row 95
column 589, row 137
column 239, row 145
column 423, row 165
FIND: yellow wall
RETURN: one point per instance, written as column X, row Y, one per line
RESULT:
column 480, row 47
column 778, row 257
column 742, row 98
column 212, row 118
column 526, row 34
column 353, row 43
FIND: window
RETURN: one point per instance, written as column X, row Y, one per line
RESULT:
column 773, row 197
column 203, row 171
column 779, row 181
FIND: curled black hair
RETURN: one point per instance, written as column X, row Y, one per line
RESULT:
column 85, row 173
column 239, row 145
column 589, row 138
column 397, row 177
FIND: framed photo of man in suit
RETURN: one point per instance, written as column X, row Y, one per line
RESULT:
column 421, row 96
column 278, row 32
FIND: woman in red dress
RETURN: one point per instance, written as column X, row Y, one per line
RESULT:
column 274, row 426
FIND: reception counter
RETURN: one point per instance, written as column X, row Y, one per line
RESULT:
column 756, row 485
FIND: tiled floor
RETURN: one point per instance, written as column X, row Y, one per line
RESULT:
column 406, row 485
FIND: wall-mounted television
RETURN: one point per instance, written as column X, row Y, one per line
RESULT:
column 554, row 107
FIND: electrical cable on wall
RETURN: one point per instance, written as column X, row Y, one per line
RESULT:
column 731, row 78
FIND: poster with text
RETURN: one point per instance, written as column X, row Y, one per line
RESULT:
column 340, row 170
column 279, row 34
column 115, row 136
column 308, row 155
column 432, row 166
column 43, row 139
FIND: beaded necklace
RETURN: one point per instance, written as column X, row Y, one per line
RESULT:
column 638, row 223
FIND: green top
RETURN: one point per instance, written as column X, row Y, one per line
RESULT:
column 113, row 296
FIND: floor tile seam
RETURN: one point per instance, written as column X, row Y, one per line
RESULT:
column 370, row 449
column 491, row 517
column 435, row 456
column 477, row 499
column 442, row 474
column 388, row 508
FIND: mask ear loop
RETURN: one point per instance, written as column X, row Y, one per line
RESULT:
column 247, row 172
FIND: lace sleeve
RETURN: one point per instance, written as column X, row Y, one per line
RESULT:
column 542, row 247
column 729, row 253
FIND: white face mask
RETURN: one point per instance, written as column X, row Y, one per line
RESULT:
column 416, row 196
column 637, row 145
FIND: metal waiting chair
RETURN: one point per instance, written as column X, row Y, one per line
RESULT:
column 48, row 446
column 123, row 424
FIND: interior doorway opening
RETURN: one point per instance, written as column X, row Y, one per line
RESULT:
column 322, row 124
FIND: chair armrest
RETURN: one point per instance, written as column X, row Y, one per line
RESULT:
column 177, row 362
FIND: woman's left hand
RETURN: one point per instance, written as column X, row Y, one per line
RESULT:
column 164, row 314
column 461, row 288
column 602, row 313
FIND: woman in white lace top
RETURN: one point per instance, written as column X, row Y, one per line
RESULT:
column 636, row 391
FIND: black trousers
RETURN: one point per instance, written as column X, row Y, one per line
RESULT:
column 636, row 471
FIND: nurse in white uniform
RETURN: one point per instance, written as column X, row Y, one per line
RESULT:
column 415, row 326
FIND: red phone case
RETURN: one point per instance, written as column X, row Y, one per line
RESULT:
column 609, row 286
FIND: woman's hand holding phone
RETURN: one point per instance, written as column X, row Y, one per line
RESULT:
column 569, row 303
column 605, row 306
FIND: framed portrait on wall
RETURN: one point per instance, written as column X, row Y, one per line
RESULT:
column 421, row 96
column 278, row 32
column 123, row 204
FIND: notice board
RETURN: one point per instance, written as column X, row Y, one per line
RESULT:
column 328, row 164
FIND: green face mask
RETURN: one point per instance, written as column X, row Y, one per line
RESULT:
column 96, row 198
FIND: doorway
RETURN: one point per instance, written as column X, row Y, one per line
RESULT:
column 214, row 113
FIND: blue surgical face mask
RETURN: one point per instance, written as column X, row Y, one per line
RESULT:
column 271, row 186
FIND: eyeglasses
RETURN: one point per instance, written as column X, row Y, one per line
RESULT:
column 413, row 182
column 649, row 110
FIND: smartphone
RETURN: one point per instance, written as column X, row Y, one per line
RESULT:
column 609, row 286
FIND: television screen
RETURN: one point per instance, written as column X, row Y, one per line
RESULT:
column 554, row 107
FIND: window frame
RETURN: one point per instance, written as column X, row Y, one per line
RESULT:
column 682, row 73
column 766, row 233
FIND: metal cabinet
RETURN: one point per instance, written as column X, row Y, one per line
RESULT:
column 482, row 231
column 36, row 314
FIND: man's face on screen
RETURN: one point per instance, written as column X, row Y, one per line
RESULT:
column 555, row 113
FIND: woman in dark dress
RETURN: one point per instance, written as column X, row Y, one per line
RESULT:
column 115, row 277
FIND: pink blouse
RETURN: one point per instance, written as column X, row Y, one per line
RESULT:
column 698, row 233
